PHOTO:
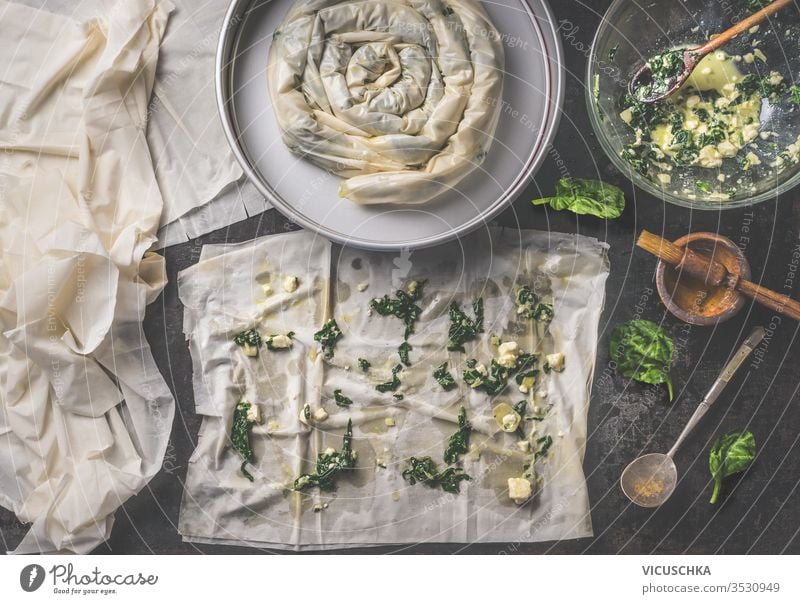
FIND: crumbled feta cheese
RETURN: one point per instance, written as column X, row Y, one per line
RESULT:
column 524, row 446
column 626, row 115
column 556, row 361
column 481, row 369
column 758, row 54
column 692, row 101
column 519, row 490
column 775, row 78
column 329, row 451
column 749, row 57
column 752, row 159
column 709, row 157
column 280, row 341
column 290, row 283
column 750, row 131
column 507, row 354
column 510, row 422
column 412, row 287
column 727, row 149
column 266, row 288
column 254, row 414
column 542, row 394
column 390, row 422
column 320, row 415
column 664, row 179
column 362, row 286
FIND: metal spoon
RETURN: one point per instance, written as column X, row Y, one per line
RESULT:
column 642, row 87
column 649, row 480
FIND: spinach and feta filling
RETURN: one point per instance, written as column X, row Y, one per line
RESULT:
column 403, row 306
column 424, row 470
column 444, row 377
column 330, row 464
column 494, row 380
column 393, row 384
column 462, row 328
column 245, row 416
column 458, row 444
column 250, row 341
column 279, row 341
column 328, row 336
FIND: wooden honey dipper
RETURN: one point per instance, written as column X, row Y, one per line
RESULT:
column 714, row 273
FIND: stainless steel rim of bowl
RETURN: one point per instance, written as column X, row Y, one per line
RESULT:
column 640, row 181
column 228, row 41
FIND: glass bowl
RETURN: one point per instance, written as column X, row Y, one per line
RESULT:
column 631, row 32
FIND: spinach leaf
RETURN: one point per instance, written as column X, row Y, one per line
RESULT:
column 403, row 351
column 494, row 380
column 586, row 197
column 543, row 447
column 528, row 306
column 643, row 351
column 462, row 328
column 392, row 384
column 521, row 408
column 459, row 442
column 250, row 340
column 340, row 399
column 403, row 306
column 240, row 435
column 424, row 470
column 330, row 465
column 444, row 377
column 732, row 453
column 364, row 365
column 328, row 336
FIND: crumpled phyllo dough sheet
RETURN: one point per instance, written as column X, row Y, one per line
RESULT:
column 84, row 412
column 234, row 288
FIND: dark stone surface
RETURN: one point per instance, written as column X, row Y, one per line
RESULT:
column 759, row 513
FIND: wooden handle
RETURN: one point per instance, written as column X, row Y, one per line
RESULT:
column 697, row 265
column 741, row 26
column 773, row 300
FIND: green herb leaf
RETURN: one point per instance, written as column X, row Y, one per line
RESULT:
column 732, row 453
column 586, row 197
column 528, row 306
column 495, row 380
column 543, row 447
column 392, row 384
column 364, row 365
column 250, row 340
column 403, row 351
column 330, row 465
column 328, row 336
column 462, row 328
column 403, row 306
column 340, row 399
column 459, row 442
column 424, row 470
column 444, row 377
column 643, row 351
column 240, row 436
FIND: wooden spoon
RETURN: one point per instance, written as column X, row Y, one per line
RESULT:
column 714, row 273
column 646, row 89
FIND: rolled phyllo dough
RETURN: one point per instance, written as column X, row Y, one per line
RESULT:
column 401, row 98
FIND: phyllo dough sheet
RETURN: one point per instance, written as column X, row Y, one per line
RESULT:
column 238, row 287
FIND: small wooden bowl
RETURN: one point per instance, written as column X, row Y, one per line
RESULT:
column 691, row 300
